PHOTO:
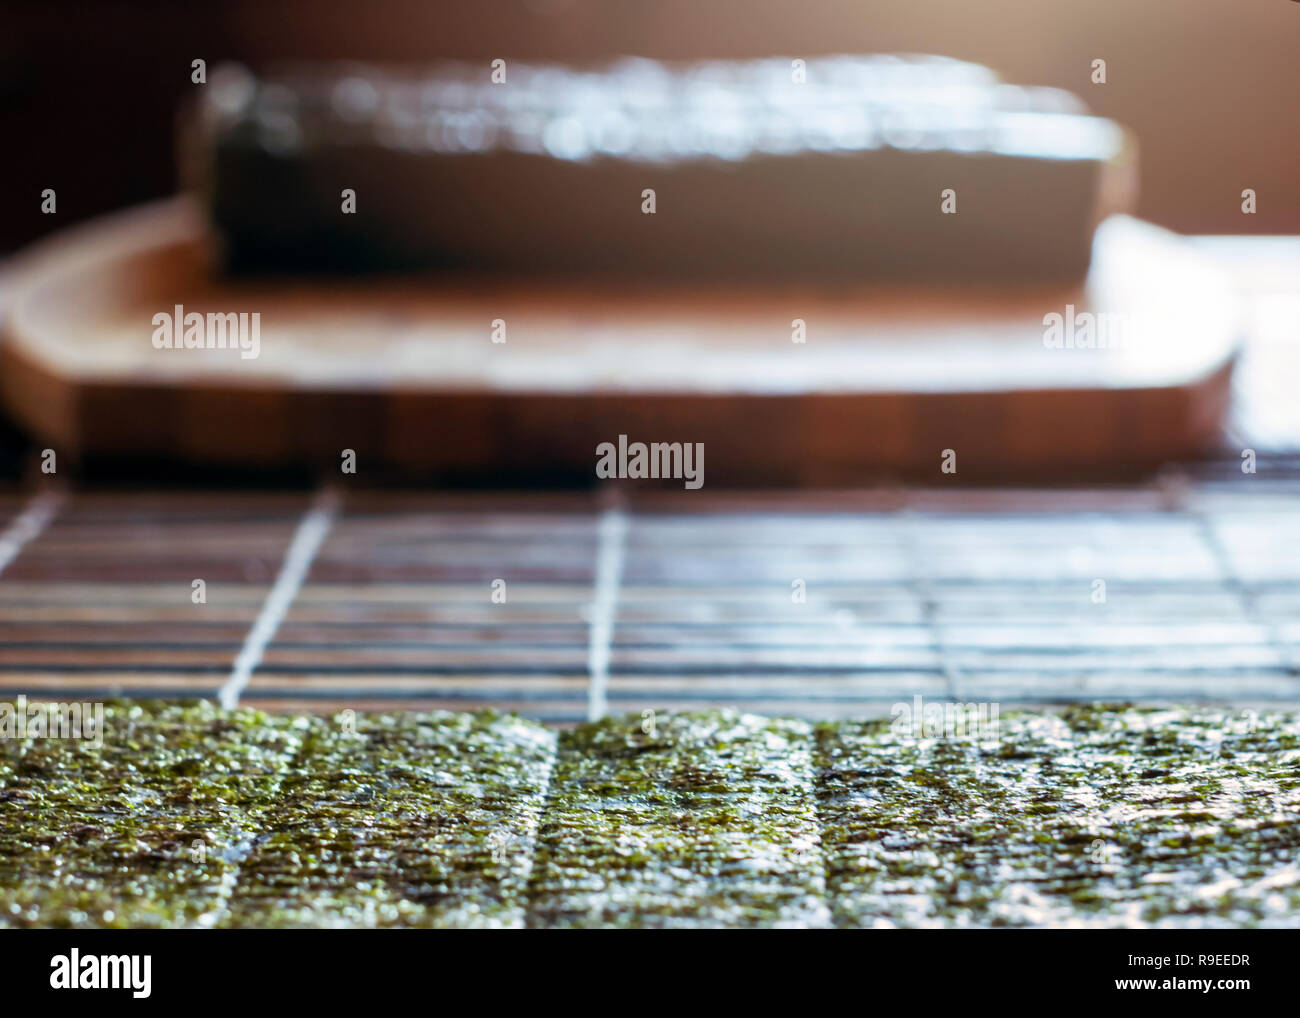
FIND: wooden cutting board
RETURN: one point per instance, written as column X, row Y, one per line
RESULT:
column 406, row 372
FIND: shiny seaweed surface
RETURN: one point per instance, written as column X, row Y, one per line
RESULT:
column 1095, row 817
column 701, row 820
column 188, row 815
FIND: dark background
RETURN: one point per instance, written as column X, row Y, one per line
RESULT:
column 88, row 91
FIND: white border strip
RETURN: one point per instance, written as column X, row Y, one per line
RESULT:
column 604, row 606
column 297, row 561
column 28, row 524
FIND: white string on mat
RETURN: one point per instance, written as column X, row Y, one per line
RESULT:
column 612, row 540
column 28, row 525
column 313, row 527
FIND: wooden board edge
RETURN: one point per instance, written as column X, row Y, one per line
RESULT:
column 824, row 440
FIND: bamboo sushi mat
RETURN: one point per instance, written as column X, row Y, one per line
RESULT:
column 829, row 604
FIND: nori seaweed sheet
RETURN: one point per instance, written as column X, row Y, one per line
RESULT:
column 1110, row 816
column 416, row 820
column 111, row 836
column 1095, row 817
column 419, row 820
column 710, row 820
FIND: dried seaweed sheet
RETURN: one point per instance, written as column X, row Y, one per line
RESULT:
column 416, row 820
column 145, row 830
column 1096, row 817
column 188, row 815
column 693, row 820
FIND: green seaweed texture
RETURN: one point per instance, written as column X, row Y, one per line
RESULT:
column 192, row 816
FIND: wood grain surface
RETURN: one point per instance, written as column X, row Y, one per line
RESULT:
column 405, row 372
